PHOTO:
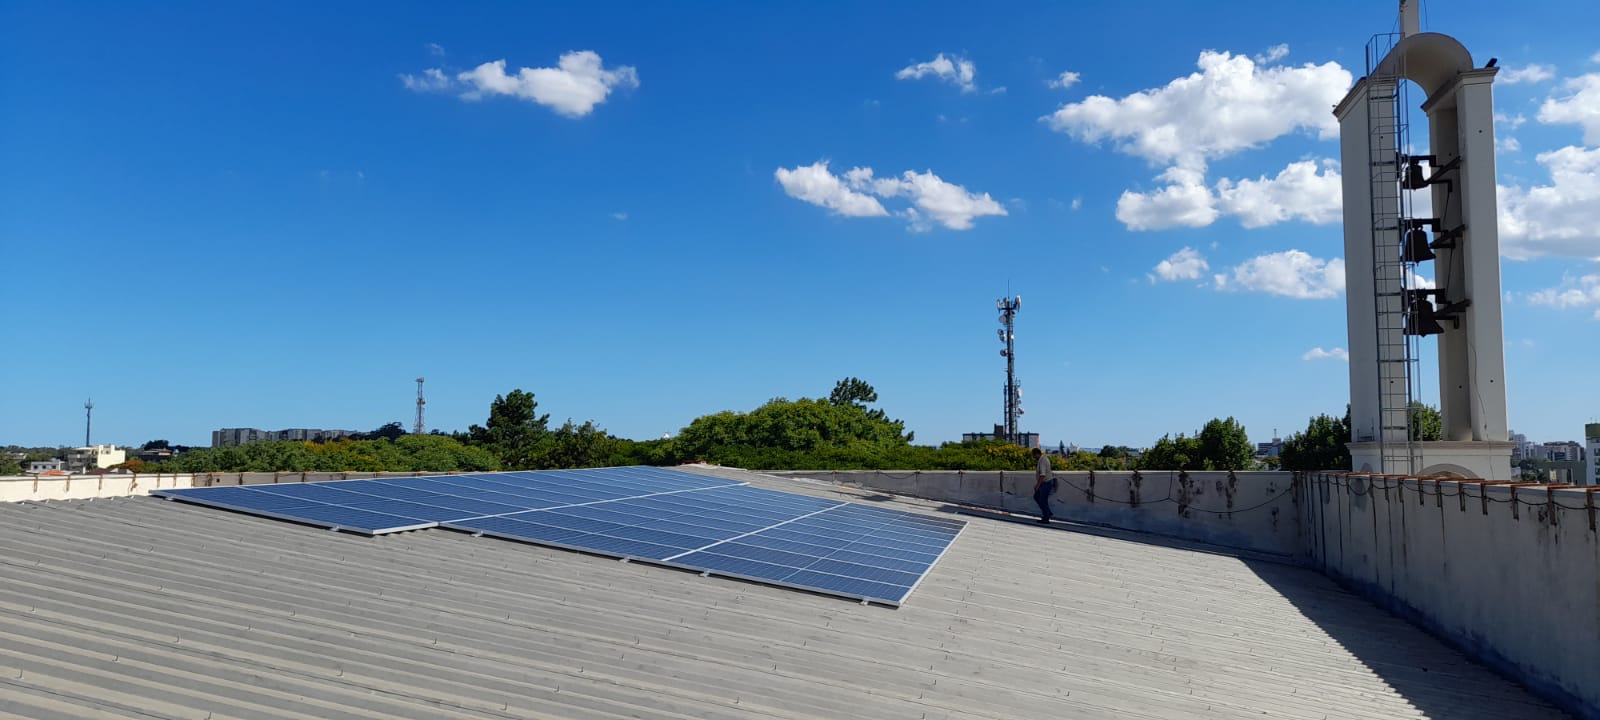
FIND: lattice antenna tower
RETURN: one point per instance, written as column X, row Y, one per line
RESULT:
column 1008, row 308
column 417, row 428
column 88, row 419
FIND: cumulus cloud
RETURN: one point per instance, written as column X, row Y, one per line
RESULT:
column 815, row 184
column 932, row 199
column 1185, row 264
column 435, row 49
column 1532, row 73
column 1299, row 192
column 1507, row 144
column 1582, row 292
column 1560, row 219
column 578, row 83
column 1232, row 104
column 954, row 69
column 1306, row 190
column 1291, row 273
column 1185, row 201
column 1511, row 121
column 1273, row 54
column 1581, row 107
column 1066, row 80
column 1318, row 353
column 431, row 80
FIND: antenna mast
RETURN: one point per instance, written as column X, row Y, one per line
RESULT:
column 417, row 429
column 88, row 420
column 1008, row 308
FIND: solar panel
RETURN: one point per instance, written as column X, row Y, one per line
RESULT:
column 829, row 546
column 667, row 517
column 378, row 506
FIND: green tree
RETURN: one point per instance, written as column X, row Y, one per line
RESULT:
column 1169, row 453
column 576, row 446
column 1224, row 445
column 513, row 431
column 156, row 445
column 388, row 431
column 1426, row 423
column 851, row 391
column 1320, row 447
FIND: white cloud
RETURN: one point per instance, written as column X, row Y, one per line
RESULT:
column 1595, row 58
column 1301, row 191
column 955, row 70
column 948, row 204
column 1230, row 105
column 435, row 49
column 1507, row 144
column 1066, row 80
column 933, row 200
column 1581, row 107
column 1532, row 73
column 1077, row 202
column 1579, row 292
column 1560, row 219
column 619, row 216
column 1184, row 202
column 431, row 80
column 1318, row 353
column 816, row 185
column 1185, row 264
column 578, row 83
column 1513, row 122
column 1291, row 273
column 1273, row 54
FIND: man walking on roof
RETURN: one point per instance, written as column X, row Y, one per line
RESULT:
column 1043, row 486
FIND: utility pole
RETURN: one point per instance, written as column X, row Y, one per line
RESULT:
column 88, row 420
column 417, row 429
column 1013, row 402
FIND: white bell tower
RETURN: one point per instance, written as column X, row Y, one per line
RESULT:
column 1389, row 247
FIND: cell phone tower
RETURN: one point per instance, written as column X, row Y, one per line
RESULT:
column 417, row 429
column 88, row 419
column 1008, row 308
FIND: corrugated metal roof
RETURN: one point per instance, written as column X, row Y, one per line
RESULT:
column 139, row 607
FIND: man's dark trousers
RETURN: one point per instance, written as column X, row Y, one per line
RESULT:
column 1042, row 496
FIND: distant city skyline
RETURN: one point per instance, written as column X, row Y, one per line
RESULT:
column 280, row 216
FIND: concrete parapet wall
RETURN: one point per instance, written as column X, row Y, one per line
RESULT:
column 1507, row 572
column 1248, row 510
column 88, row 487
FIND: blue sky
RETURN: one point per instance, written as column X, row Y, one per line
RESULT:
column 280, row 215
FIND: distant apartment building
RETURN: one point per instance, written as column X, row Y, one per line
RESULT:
column 1269, row 449
column 155, row 455
column 1591, row 436
column 39, row 467
column 94, row 457
column 1027, row 440
column 244, row 436
column 1564, row 451
column 1523, row 449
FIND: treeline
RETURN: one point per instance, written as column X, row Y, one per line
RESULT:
column 840, row 432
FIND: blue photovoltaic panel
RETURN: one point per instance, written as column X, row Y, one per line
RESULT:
column 828, row 546
column 395, row 504
column 673, row 518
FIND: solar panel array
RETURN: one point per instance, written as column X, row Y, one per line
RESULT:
column 375, row 507
column 666, row 517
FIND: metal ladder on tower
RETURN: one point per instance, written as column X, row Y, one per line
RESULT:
column 1396, row 356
